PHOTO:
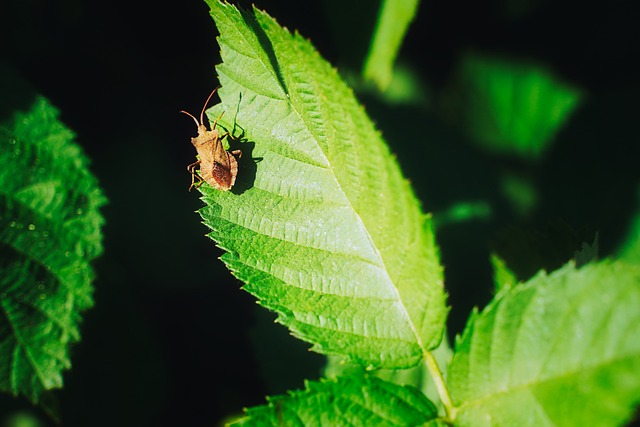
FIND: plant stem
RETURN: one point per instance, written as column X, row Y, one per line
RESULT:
column 441, row 386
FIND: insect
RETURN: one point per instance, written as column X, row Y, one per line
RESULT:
column 218, row 167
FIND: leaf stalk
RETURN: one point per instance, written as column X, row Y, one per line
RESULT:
column 441, row 386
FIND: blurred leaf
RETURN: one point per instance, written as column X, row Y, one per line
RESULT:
column 393, row 21
column 561, row 350
column 406, row 88
column 517, row 9
column 49, row 232
column 323, row 229
column 21, row 419
column 512, row 107
column 587, row 253
column 629, row 250
column 503, row 278
column 462, row 212
column 355, row 400
column 521, row 193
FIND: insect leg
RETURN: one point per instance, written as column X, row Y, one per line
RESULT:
column 192, row 170
column 215, row 122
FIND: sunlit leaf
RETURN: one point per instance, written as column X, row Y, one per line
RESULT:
column 321, row 226
column 560, row 350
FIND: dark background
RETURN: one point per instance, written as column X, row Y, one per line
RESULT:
column 172, row 340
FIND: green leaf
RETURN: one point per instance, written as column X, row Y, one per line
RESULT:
column 49, row 232
column 560, row 350
column 417, row 376
column 503, row 277
column 511, row 107
column 629, row 250
column 520, row 191
column 462, row 211
column 322, row 226
column 353, row 400
column 393, row 21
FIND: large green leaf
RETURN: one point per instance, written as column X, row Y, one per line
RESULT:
column 355, row 400
column 49, row 232
column 321, row 226
column 560, row 350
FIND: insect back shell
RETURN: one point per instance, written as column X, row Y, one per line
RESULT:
column 218, row 167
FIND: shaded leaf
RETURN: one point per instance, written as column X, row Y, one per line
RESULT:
column 49, row 232
column 417, row 376
column 353, row 400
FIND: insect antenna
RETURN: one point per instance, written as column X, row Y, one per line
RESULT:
column 201, row 122
column 190, row 115
column 204, row 107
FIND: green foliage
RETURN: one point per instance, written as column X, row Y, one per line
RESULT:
column 393, row 21
column 354, row 400
column 510, row 107
column 321, row 226
column 49, row 232
column 561, row 350
column 630, row 248
column 323, row 229
column 502, row 276
column 338, row 247
column 418, row 376
column 461, row 212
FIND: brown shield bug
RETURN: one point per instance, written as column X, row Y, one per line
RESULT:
column 218, row 167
